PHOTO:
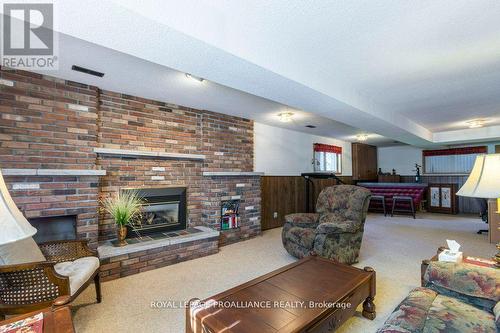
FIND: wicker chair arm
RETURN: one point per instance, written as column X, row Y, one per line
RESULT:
column 66, row 250
column 61, row 301
column 31, row 284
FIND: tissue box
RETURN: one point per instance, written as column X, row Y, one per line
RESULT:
column 449, row 256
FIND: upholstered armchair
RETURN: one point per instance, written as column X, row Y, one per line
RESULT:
column 336, row 229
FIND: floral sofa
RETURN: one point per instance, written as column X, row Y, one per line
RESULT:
column 336, row 229
column 454, row 298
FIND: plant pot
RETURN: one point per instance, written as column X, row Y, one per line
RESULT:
column 121, row 232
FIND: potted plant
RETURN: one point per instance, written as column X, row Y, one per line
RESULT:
column 123, row 207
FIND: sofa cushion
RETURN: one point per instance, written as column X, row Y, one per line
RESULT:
column 424, row 310
column 347, row 201
column 448, row 314
column 20, row 252
column 473, row 284
column 411, row 313
column 78, row 271
column 496, row 312
column 301, row 236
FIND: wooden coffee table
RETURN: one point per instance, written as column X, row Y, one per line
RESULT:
column 310, row 295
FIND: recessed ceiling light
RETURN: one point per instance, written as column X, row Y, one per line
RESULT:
column 362, row 137
column 310, row 126
column 199, row 79
column 285, row 116
column 475, row 123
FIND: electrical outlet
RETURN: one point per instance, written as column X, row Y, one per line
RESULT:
column 275, row 215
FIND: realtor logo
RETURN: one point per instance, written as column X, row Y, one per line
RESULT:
column 28, row 36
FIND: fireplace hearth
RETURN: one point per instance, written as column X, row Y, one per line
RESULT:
column 164, row 210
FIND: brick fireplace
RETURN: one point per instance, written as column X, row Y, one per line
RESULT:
column 64, row 145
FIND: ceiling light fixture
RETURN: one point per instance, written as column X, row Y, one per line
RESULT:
column 475, row 123
column 362, row 137
column 190, row 76
column 285, row 116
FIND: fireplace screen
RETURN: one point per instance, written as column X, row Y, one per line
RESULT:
column 164, row 210
column 159, row 214
column 54, row 228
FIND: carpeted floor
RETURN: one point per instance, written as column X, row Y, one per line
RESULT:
column 393, row 246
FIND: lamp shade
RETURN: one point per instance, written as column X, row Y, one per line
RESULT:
column 484, row 179
column 13, row 225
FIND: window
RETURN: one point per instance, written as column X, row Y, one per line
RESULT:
column 327, row 158
column 456, row 160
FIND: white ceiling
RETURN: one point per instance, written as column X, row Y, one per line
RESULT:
column 412, row 71
column 134, row 76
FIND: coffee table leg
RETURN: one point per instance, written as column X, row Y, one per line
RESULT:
column 369, row 308
column 368, row 305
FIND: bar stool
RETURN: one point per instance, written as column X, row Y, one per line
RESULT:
column 402, row 199
column 382, row 199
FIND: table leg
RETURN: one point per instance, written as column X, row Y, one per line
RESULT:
column 369, row 309
column 368, row 305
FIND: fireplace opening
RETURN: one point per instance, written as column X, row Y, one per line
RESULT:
column 164, row 210
column 54, row 228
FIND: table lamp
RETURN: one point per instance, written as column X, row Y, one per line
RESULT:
column 484, row 182
column 13, row 225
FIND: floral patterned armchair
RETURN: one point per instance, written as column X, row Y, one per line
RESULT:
column 454, row 297
column 336, row 229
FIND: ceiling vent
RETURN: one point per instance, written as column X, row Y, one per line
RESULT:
column 86, row 71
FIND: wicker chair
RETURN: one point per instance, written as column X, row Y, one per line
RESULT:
column 32, row 286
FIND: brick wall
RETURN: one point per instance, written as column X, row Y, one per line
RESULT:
column 128, row 122
column 46, row 122
column 45, row 196
column 142, row 261
column 248, row 188
column 51, row 123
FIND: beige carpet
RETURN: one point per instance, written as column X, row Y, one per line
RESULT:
column 393, row 246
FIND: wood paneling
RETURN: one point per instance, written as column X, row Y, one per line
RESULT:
column 494, row 221
column 389, row 178
column 465, row 204
column 281, row 195
column 441, row 205
column 285, row 195
column 364, row 162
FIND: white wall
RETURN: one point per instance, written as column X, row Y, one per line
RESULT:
column 491, row 147
column 401, row 158
column 282, row 152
